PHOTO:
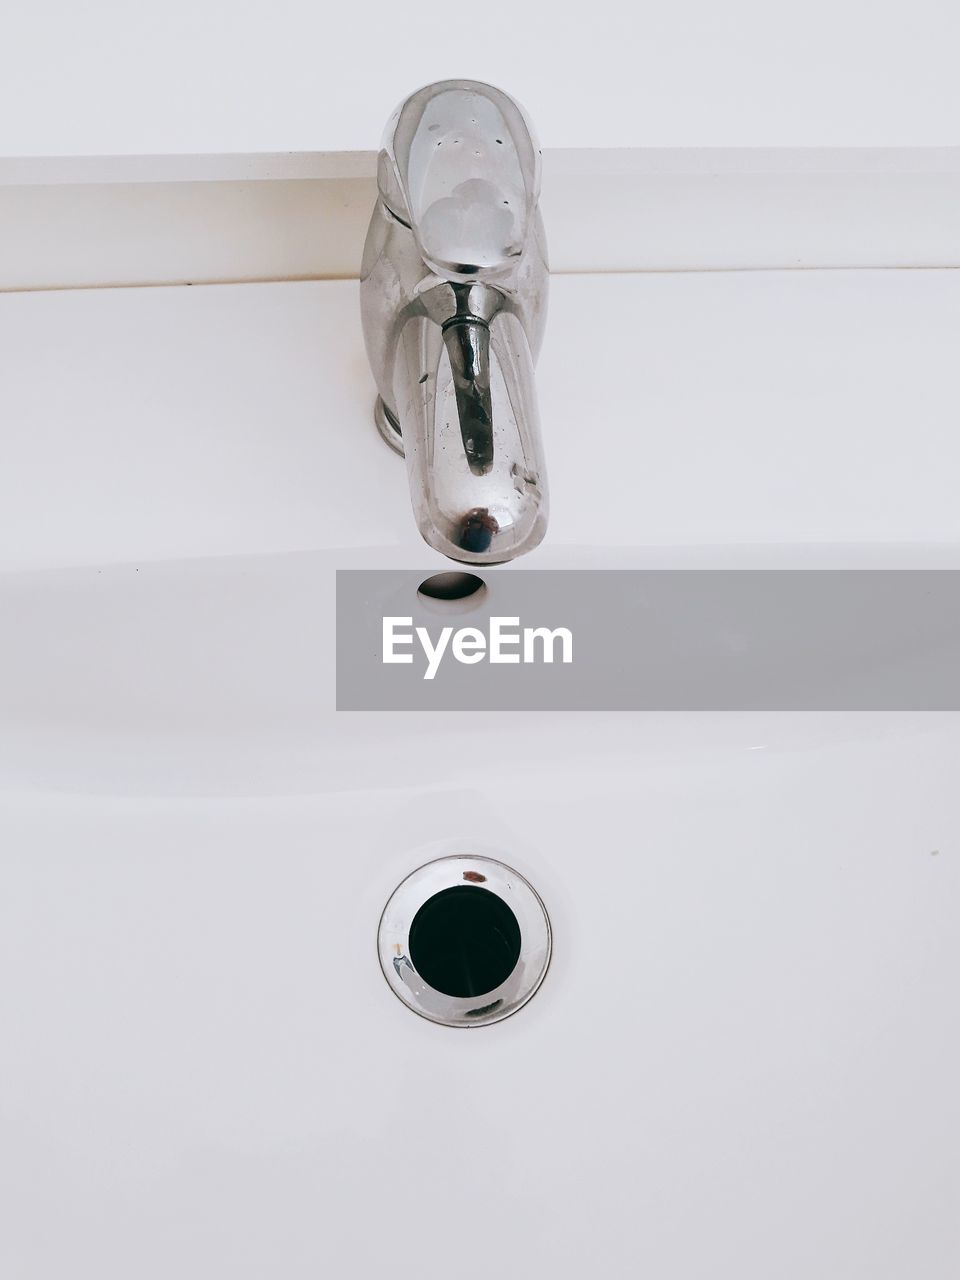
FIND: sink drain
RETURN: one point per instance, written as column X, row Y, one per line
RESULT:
column 464, row 941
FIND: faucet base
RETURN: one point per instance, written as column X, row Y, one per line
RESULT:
column 388, row 426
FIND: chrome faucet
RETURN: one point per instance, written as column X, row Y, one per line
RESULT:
column 453, row 298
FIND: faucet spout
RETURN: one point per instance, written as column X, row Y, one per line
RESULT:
column 453, row 300
column 467, row 340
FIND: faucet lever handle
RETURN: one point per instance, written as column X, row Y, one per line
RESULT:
column 460, row 166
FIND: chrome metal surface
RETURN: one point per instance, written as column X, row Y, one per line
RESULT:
column 388, row 426
column 479, row 875
column 453, row 296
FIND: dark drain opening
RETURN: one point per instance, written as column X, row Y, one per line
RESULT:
column 450, row 586
column 464, row 941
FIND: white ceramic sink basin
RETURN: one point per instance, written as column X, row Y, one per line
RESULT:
column 743, row 1059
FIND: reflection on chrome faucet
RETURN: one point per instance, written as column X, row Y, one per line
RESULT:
column 453, row 298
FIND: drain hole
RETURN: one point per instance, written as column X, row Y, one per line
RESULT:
column 450, row 586
column 464, row 941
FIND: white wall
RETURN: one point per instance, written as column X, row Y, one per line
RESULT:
column 110, row 77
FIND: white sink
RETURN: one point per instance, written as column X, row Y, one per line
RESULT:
column 742, row 1061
